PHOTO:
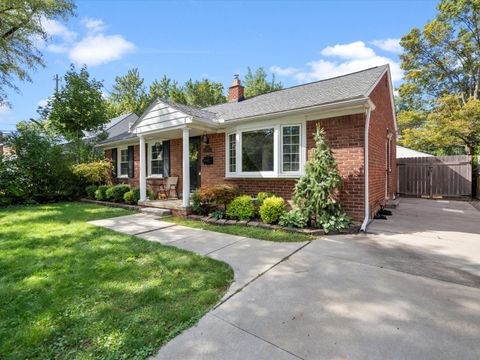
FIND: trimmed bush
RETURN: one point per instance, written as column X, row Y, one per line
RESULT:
column 90, row 190
column 109, row 193
column 241, row 208
column 101, row 193
column 220, row 194
column 294, row 218
column 118, row 191
column 261, row 196
column 129, row 197
column 198, row 206
column 97, row 172
column 271, row 209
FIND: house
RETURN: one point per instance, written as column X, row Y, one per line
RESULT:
column 403, row 152
column 262, row 143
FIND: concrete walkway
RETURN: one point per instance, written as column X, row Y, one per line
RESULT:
column 410, row 289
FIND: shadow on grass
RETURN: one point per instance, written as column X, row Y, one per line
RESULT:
column 69, row 289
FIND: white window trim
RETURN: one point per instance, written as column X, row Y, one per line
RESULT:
column 277, row 153
column 149, row 158
column 119, row 162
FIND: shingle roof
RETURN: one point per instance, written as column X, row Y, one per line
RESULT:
column 350, row 86
column 190, row 110
column 120, row 137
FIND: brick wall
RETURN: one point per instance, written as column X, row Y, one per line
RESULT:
column 381, row 123
column 345, row 136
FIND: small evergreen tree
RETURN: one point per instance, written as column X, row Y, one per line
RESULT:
column 315, row 192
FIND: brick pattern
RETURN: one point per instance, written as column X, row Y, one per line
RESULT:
column 381, row 123
column 235, row 92
column 345, row 136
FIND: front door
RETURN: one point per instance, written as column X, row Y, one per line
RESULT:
column 194, row 162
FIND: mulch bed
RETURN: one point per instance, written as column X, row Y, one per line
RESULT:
column 354, row 228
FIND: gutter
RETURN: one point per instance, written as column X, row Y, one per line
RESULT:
column 367, row 207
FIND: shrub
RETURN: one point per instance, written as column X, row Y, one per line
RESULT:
column 97, row 172
column 271, row 209
column 109, row 194
column 117, row 192
column 315, row 192
column 129, row 197
column 200, row 207
column 294, row 218
column 218, row 214
column 101, row 192
column 241, row 208
column 220, row 194
column 261, row 196
column 90, row 190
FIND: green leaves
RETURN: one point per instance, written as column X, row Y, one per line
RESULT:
column 315, row 192
column 256, row 83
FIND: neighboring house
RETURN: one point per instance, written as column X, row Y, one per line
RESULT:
column 403, row 152
column 262, row 143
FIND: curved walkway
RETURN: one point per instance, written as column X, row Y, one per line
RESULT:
column 409, row 289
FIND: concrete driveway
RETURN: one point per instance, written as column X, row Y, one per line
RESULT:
column 410, row 289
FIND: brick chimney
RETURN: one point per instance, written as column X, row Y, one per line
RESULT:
column 235, row 91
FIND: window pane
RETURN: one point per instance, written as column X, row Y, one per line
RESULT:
column 124, row 168
column 232, row 151
column 157, row 167
column 291, row 148
column 257, row 150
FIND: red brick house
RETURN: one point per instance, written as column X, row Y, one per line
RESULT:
column 262, row 143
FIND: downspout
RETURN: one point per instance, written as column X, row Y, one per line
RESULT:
column 367, row 207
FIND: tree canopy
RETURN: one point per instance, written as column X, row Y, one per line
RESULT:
column 22, row 23
column 256, row 83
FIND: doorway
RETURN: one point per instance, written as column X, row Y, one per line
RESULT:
column 194, row 147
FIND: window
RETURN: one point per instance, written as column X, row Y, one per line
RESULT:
column 232, row 153
column 257, row 150
column 123, row 163
column 291, row 148
column 156, row 159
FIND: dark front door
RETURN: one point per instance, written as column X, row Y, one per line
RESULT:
column 194, row 163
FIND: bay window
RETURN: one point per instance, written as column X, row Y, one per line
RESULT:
column 270, row 151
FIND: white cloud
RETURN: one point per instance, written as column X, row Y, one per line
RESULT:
column 55, row 29
column 100, row 49
column 43, row 103
column 354, row 50
column 57, row 48
column 93, row 25
column 339, row 60
column 7, row 118
column 390, row 45
column 288, row 71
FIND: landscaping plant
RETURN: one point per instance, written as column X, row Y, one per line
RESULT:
column 97, row 172
column 220, row 194
column 294, row 218
column 129, row 197
column 241, row 208
column 271, row 209
column 90, row 191
column 261, row 196
column 101, row 193
column 316, row 191
column 118, row 191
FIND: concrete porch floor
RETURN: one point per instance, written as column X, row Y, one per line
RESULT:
column 170, row 204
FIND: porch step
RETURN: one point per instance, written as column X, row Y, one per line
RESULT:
column 392, row 204
column 156, row 211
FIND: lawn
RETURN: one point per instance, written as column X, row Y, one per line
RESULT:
column 70, row 290
column 247, row 231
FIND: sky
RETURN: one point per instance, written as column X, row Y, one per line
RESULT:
column 299, row 41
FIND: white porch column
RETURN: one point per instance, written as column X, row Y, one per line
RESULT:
column 143, row 175
column 186, row 168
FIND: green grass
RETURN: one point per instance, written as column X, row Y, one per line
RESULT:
column 70, row 290
column 247, row 231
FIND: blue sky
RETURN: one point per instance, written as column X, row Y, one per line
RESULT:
column 300, row 41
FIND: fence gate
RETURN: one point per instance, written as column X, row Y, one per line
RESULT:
column 438, row 176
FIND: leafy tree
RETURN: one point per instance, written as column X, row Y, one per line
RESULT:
column 315, row 192
column 203, row 93
column 39, row 171
column 22, row 22
column 78, row 108
column 160, row 89
column 444, row 57
column 256, row 83
column 451, row 126
column 129, row 94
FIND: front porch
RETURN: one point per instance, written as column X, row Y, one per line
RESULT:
column 176, row 206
